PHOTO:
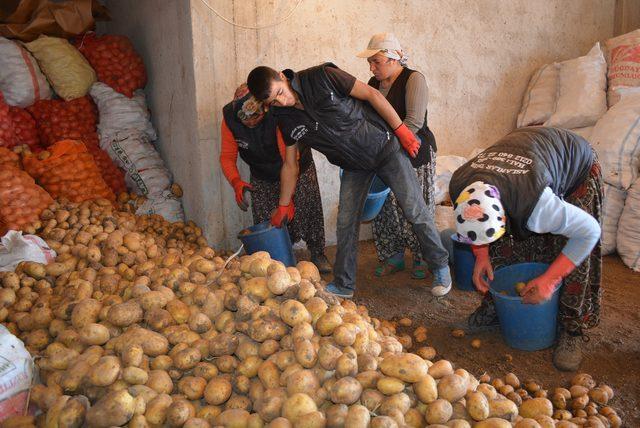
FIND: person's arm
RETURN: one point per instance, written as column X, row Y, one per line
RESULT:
column 288, row 180
column 228, row 163
column 416, row 99
column 380, row 104
column 367, row 93
column 229, row 154
column 553, row 215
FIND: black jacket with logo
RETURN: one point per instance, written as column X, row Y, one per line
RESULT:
column 397, row 98
column 346, row 130
column 522, row 164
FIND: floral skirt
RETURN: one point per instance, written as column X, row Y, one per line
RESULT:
column 392, row 233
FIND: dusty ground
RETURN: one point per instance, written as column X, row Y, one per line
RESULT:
column 612, row 354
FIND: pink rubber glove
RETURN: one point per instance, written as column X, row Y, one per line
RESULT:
column 239, row 187
column 541, row 288
column 482, row 267
column 282, row 213
column 407, row 140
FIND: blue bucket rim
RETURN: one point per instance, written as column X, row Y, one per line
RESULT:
column 259, row 232
column 377, row 194
column 515, row 298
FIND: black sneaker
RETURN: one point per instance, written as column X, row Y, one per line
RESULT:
column 483, row 318
column 568, row 353
column 322, row 263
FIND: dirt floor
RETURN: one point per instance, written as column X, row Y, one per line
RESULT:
column 612, row 355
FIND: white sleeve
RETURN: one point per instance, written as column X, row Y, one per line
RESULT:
column 554, row 215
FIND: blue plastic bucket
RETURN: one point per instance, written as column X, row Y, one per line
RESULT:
column 274, row 240
column 525, row 327
column 463, row 263
column 378, row 193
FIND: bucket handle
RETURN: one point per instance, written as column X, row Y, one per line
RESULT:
column 226, row 263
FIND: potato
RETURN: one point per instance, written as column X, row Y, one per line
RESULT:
column 452, row 388
column 186, row 359
column 217, row 391
column 440, row 369
column 477, row 406
column 160, row 381
column 302, row 381
column 94, row 334
column 505, row 409
column 105, row 372
column 390, row 385
column 114, row 409
column 135, row 376
column 493, row 423
column 33, row 269
column 536, row 407
column 327, row 323
column 599, row 396
column 125, row 314
column 305, row 353
column 527, row 423
column 336, row 415
column 438, row 411
column 85, row 312
column 298, row 405
column 157, row 408
column 152, row 343
column 406, row 367
column 223, row 344
column 328, row 356
column 278, row 282
column 179, row 413
column 346, row 365
column 383, row 422
column 346, row 390
column 293, row 312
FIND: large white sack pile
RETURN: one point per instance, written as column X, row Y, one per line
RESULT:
column 573, row 94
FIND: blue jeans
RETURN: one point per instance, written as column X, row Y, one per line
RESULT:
column 398, row 173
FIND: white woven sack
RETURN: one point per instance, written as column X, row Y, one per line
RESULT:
column 119, row 113
column 144, row 168
column 539, row 99
column 21, row 81
column 167, row 205
column 612, row 206
column 582, row 96
column 616, row 138
column 629, row 229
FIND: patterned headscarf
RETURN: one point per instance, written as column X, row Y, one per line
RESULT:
column 480, row 216
column 251, row 111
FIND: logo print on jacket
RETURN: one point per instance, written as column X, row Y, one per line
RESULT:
column 299, row 132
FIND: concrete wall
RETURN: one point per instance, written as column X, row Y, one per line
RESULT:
column 477, row 56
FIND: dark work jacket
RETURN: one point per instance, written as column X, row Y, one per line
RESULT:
column 522, row 164
column 397, row 98
column 258, row 146
column 348, row 131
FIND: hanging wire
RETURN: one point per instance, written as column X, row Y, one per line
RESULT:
column 250, row 27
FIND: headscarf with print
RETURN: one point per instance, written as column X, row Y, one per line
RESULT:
column 250, row 111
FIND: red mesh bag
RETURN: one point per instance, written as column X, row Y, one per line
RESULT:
column 21, row 199
column 112, row 175
column 24, row 127
column 9, row 158
column 57, row 120
column 115, row 61
column 68, row 170
column 7, row 135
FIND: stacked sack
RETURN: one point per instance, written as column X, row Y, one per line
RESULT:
column 21, row 199
column 115, row 61
column 573, row 94
column 68, row 170
column 126, row 133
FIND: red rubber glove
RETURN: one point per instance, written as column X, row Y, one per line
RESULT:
column 239, row 187
column 283, row 213
column 541, row 288
column 482, row 268
column 408, row 141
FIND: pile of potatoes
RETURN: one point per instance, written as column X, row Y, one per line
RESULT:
column 139, row 323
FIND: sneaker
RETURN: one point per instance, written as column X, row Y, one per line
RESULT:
column 568, row 353
column 322, row 263
column 441, row 284
column 483, row 318
column 343, row 292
